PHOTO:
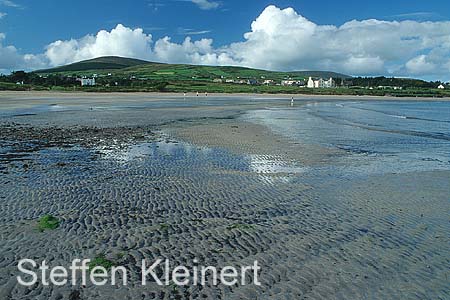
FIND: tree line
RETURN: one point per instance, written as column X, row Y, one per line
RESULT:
column 61, row 80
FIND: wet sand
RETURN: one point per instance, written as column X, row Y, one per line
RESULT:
column 138, row 177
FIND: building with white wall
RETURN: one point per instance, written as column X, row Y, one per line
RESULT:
column 87, row 81
column 321, row 83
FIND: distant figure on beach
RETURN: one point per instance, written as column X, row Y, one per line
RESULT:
column 197, row 94
column 206, row 94
column 184, row 95
column 292, row 101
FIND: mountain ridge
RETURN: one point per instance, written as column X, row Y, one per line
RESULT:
column 145, row 68
column 99, row 63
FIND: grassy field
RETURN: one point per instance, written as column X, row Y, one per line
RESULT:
column 117, row 67
column 101, row 64
column 5, row 86
column 202, row 87
column 116, row 74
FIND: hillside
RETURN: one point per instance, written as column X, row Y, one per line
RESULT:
column 101, row 63
column 119, row 66
column 322, row 74
column 117, row 74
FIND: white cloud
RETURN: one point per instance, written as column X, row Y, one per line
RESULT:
column 188, row 31
column 282, row 39
column 420, row 64
column 198, row 52
column 126, row 42
column 155, row 5
column 279, row 39
column 2, row 15
column 10, row 3
column 11, row 59
column 417, row 16
column 120, row 41
column 206, row 4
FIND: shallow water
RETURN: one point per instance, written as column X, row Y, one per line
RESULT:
column 386, row 137
column 167, row 152
column 346, row 229
column 23, row 108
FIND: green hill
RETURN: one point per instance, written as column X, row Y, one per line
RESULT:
column 322, row 74
column 119, row 74
column 118, row 66
column 101, row 63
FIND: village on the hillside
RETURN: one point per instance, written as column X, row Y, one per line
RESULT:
column 310, row 83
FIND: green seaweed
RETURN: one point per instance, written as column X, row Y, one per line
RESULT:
column 101, row 261
column 48, row 222
column 164, row 227
column 241, row 226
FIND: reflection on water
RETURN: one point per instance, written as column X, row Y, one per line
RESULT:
column 34, row 110
column 128, row 103
column 266, row 164
column 152, row 150
column 383, row 137
column 270, row 168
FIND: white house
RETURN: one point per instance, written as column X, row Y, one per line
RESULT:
column 288, row 82
column 291, row 82
column 329, row 83
column 87, row 81
column 321, row 83
column 441, row 87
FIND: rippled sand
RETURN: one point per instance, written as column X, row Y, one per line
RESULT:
column 199, row 182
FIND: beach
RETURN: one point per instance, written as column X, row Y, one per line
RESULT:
column 335, row 197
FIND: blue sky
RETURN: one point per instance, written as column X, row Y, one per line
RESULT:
column 30, row 25
column 38, row 23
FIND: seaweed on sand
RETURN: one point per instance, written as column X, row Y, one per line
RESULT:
column 48, row 222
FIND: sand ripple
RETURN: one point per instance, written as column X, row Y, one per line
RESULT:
column 316, row 235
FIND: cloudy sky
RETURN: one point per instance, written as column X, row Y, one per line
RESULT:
column 384, row 37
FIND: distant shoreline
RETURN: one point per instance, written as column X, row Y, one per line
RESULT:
column 213, row 95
